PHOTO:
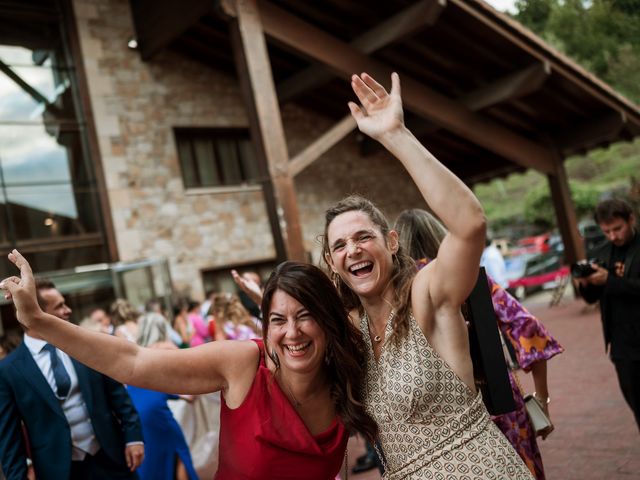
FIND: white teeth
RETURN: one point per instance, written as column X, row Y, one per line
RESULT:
column 297, row 348
column 359, row 265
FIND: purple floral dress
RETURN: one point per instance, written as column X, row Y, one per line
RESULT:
column 531, row 342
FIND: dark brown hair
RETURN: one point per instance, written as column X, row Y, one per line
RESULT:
column 608, row 210
column 404, row 268
column 346, row 357
column 43, row 284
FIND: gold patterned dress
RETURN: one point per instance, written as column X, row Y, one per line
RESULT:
column 432, row 426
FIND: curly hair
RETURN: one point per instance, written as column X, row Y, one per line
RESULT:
column 121, row 311
column 345, row 355
column 402, row 274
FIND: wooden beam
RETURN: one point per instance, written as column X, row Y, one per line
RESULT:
column 606, row 128
column 159, row 22
column 321, row 145
column 565, row 212
column 515, row 85
column 406, row 22
column 256, row 80
column 341, row 58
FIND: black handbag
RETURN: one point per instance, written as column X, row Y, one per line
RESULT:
column 487, row 355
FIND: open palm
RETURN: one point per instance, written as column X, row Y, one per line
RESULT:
column 381, row 111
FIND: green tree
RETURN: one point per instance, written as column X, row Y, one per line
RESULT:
column 538, row 206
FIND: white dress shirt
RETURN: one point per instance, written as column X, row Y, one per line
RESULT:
column 83, row 438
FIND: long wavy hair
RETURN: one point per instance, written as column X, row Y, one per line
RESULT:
column 419, row 233
column 402, row 273
column 228, row 307
column 345, row 357
column 121, row 311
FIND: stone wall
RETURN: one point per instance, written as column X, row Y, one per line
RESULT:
column 137, row 104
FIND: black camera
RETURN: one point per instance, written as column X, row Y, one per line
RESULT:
column 583, row 268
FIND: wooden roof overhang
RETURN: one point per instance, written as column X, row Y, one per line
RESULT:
column 483, row 93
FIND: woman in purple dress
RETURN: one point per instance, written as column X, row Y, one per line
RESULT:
column 420, row 234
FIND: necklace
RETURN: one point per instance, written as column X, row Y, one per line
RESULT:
column 377, row 338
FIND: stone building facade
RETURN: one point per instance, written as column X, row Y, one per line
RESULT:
column 136, row 105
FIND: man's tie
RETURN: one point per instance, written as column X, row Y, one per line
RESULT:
column 60, row 374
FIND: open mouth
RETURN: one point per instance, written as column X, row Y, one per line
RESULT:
column 361, row 268
column 298, row 349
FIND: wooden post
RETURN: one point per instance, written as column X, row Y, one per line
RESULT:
column 254, row 71
column 565, row 212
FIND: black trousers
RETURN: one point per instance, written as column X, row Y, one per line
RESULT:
column 629, row 378
column 100, row 467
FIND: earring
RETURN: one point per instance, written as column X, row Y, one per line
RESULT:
column 274, row 357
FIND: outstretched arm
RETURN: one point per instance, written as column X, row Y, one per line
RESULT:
column 455, row 271
column 204, row 369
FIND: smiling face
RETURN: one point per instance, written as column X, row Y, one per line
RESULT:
column 360, row 254
column 294, row 335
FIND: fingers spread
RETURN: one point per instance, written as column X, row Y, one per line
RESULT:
column 365, row 94
column 19, row 261
column 378, row 89
column 356, row 111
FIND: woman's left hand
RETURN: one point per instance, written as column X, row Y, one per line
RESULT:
column 22, row 290
column 381, row 111
column 545, row 433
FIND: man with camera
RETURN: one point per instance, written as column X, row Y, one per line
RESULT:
column 613, row 278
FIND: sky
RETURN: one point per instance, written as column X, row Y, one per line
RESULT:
column 502, row 5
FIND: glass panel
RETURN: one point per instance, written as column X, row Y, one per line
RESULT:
column 44, row 84
column 49, row 211
column 186, row 162
column 227, row 155
column 249, row 162
column 206, row 162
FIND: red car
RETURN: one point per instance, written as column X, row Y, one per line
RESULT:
column 530, row 272
column 533, row 244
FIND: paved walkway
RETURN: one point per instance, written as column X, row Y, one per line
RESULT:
column 596, row 437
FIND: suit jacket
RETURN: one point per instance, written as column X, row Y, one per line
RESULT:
column 25, row 395
column 625, row 293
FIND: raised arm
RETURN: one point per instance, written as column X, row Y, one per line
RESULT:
column 453, row 275
column 203, row 369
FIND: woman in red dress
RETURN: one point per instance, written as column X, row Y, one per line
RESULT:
column 288, row 403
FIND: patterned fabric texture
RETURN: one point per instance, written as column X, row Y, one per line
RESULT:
column 532, row 343
column 432, row 426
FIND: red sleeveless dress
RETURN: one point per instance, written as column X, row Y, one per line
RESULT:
column 265, row 439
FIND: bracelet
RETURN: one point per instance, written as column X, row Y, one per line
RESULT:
column 544, row 401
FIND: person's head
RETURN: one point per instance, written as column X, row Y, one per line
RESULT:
column 152, row 329
column 226, row 307
column 366, row 258
column 616, row 220
column 100, row 317
column 51, row 300
column 121, row 312
column 193, row 307
column 420, row 233
column 307, row 329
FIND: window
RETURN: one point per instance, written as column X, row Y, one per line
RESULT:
column 49, row 207
column 212, row 157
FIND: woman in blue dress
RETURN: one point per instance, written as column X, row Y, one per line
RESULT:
column 167, row 455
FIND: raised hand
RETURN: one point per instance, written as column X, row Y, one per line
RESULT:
column 380, row 111
column 22, row 290
column 251, row 288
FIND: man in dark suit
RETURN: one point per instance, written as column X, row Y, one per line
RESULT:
column 616, row 284
column 80, row 424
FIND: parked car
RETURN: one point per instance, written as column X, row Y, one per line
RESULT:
column 530, row 272
column 533, row 244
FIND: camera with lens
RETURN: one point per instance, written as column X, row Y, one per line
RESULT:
column 583, row 268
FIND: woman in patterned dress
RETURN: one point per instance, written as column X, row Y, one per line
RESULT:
column 419, row 385
column 420, row 235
